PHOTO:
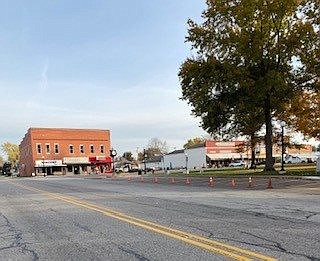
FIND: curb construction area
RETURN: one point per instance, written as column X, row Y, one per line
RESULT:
column 233, row 183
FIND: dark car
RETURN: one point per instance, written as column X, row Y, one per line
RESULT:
column 6, row 169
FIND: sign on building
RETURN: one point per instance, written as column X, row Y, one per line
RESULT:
column 76, row 160
column 48, row 163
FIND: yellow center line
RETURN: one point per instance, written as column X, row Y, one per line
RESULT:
column 233, row 252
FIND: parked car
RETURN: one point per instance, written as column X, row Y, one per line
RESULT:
column 237, row 164
column 292, row 159
column 6, row 169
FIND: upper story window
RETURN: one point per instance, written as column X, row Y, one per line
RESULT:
column 47, row 148
column 81, row 149
column 91, row 149
column 71, row 150
column 38, row 145
column 56, row 148
column 101, row 148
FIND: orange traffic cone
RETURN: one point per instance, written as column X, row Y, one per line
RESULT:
column 172, row 180
column 250, row 183
column 188, row 181
column 211, row 182
column 269, row 186
column 155, row 179
column 233, row 183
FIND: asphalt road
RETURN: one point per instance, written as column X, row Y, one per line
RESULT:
column 80, row 218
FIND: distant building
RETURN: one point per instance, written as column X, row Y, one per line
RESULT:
column 213, row 153
column 208, row 153
column 54, row 151
column 155, row 163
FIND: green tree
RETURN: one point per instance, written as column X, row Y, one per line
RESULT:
column 193, row 142
column 303, row 114
column 128, row 156
column 155, row 147
column 12, row 152
column 254, row 56
column 1, row 161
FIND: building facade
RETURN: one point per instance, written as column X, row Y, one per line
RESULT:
column 54, row 151
column 213, row 153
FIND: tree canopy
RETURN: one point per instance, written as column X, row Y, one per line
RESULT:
column 155, row 147
column 193, row 142
column 303, row 114
column 12, row 152
column 252, row 59
column 128, row 156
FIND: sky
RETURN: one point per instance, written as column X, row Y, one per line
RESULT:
column 96, row 64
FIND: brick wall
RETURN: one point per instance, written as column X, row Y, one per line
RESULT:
column 64, row 138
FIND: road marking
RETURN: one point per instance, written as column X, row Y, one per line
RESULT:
column 233, row 252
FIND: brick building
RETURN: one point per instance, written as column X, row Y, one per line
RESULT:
column 55, row 151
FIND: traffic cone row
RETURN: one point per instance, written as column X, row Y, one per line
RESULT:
column 211, row 181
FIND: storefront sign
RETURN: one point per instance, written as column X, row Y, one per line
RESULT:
column 100, row 160
column 76, row 160
column 48, row 163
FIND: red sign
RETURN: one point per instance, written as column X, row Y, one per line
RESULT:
column 100, row 160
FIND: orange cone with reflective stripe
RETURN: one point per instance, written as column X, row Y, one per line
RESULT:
column 269, row 186
column 172, row 180
column 233, row 183
column 211, row 182
column 155, row 179
column 250, row 183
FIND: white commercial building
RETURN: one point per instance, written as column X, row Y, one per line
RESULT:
column 209, row 153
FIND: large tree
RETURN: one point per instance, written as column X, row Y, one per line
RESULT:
column 303, row 114
column 155, row 147
column 254, row 56
column 12, row 152
column 128, row 156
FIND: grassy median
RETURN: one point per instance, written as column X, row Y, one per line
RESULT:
column 291, row 170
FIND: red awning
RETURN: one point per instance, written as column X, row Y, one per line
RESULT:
column 100, row 160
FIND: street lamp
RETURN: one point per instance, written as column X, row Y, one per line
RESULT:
column 282, row 124
column 186, row 155
column 144, row 161
column 113, row 153
column 43, row 168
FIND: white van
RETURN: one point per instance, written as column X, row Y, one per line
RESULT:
column 292, row 159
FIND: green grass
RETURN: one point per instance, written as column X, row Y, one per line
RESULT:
column 306, row 170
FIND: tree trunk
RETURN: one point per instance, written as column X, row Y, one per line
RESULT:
column 268, row 138
column 253, row 152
